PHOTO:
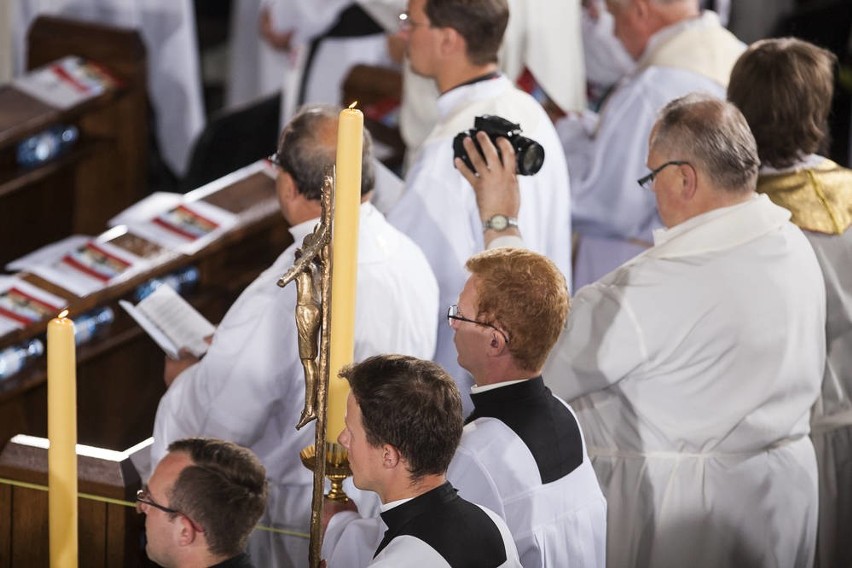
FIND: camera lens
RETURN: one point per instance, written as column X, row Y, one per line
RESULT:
column 530, row 156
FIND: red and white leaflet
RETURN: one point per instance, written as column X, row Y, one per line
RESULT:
column 89, row 267
column 66, row 82
column 186, row 226
column 22, row 304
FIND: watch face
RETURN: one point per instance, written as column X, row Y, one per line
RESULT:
column 498, row 222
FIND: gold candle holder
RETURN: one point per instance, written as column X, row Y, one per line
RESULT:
column 336, row 468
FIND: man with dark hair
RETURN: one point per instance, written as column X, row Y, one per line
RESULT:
column 693, row 367
column 249, row 388
column 522, row 454
column 201, row 503
column 455, row 43
column 784, row 88
column 403, row 424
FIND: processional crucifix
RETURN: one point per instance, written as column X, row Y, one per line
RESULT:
column 326, row 337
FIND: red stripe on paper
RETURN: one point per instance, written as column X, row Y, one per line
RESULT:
column 34, row 300
column 173, row 229
column 109, row 255
column 13, row 316
column 65, row 76
column 83, row 268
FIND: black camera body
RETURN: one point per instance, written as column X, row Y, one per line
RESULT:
column 529, row 153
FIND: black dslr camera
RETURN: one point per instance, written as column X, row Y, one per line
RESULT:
column 529, row 153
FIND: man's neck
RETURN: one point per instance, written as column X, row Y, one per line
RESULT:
column 409, row 489
column 666, row 16
column 205, row 558
column 451, row 78
column 310, row 209
column 502, row 373
column 670, row 14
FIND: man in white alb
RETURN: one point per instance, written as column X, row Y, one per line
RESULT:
column 694, row 366
column 678, row 50
column 249, row 387
column 455, row 43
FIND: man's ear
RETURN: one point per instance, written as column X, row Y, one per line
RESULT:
column 186, row 533
column 390, row 456
column 689, row 181
column 497, row 346
column 452, row 43
column 286, row 187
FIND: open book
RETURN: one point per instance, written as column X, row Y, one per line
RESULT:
column 171, row 322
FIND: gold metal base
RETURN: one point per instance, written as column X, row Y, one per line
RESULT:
column 336, row 468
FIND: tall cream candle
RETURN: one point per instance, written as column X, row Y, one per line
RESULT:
column 62, row 433
column 344, row 247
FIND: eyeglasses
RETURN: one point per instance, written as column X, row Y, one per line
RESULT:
column 405, row 22
column 142, row 496
column 453, row 314
column 646, row 181
column 275, row 159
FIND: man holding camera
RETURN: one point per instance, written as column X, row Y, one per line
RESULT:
column 455, row 42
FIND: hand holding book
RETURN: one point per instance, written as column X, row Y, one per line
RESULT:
column 172, row 322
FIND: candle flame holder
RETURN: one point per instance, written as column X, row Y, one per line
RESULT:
column 336, row 468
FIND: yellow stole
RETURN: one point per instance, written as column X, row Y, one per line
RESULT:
column 819, row 198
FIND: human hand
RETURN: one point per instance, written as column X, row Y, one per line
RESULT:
column 494, row 181
column 277, row 40
column 174, row 367
column 396, row 47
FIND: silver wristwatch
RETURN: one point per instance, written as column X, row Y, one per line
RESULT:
column 499, row 222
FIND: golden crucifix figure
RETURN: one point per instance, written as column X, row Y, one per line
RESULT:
column 308, row 320
column 308, row 272
column 312, row 273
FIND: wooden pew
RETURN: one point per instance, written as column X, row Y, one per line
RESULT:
column 105, row 171
column 110, row 531
column 119, row 375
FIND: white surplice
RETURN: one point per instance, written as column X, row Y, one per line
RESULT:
column 438, row 208
column 606, row 152
column 818, row 191
column 249, row 388
column 693, row 369
column 560, row 523
column 322, row 82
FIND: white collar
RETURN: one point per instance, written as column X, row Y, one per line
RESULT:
column 719, row 229
column 450, row 101
column 808, row 162
column 485, row 388
column 303, row 229
column 708, row 18
column 397, row 503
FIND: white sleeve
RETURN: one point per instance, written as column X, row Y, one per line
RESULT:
column 410, row 552
column 507, row 241
column 601, row 344
column 438, row 212
column 473, row 480
column 306, row 19
column 604, row 166
column 350, row 540
column 248, row 371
